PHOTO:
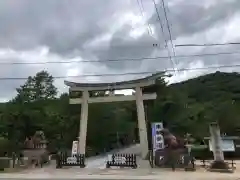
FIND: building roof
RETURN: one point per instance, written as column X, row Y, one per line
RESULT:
column 146, row 81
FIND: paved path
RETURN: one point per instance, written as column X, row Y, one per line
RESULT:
column 124, row 175
column 100, row 162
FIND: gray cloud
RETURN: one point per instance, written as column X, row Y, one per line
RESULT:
column 62, row 25
column 190, row 17
column 93, row 30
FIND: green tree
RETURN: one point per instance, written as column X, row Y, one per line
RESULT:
column 39, row 87
column 186, row 107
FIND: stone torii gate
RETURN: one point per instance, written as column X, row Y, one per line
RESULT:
column 137, row 85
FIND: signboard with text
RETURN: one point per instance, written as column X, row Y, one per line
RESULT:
column 74, row 147
column 157, row 138
column 227, row 145
column 72, row 160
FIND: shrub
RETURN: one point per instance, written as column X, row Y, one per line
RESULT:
column 4, row 146
column 4, row 163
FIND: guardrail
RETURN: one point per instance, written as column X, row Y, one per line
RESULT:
column 174, row 160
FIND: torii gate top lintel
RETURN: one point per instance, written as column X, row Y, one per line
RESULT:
column 142, row 82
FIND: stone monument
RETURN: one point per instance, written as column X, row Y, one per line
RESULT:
column 35, row 148
column 218, row 165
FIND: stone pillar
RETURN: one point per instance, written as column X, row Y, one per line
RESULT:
column 141, row 123
column 111, row 93
column 83, row 123
column 216, row 142
column 218, row 165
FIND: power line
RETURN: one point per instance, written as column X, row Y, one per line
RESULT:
column 209, row 67
column 83, row 75
column 160, row 22
column 161, row 25
column 141, row 8
column 118, row 60
column 131, row 73
column 168, row 27
column 211, row 44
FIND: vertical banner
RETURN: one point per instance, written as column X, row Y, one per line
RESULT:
column 153, row 137
column 157, row 137
column 74, row 148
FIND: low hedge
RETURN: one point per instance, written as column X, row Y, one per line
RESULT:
column 4, row 146
column 4, row 163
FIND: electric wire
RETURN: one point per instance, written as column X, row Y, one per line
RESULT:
column 118, row 60
column 161, row 25
column 141, row 9
column 168, row 27
column 132, row 73
column 211, row 44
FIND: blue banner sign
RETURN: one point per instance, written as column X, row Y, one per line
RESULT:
column 157, row 138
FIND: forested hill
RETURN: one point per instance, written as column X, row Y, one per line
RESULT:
column 212, row 97
column 186, row 107
column 211, row 87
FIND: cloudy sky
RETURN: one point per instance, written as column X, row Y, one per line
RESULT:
column 99, row 30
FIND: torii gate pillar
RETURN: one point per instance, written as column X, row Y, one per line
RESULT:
column 141, row 123
column 83, row 123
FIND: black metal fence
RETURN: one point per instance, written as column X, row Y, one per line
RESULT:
column 206, row 162
column 206, row 157
column 122, row 160
column 63, row 159
column 165, row 159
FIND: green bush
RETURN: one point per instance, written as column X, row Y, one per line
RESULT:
column 4, row 146
column 4, row 163
column 201, row 152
